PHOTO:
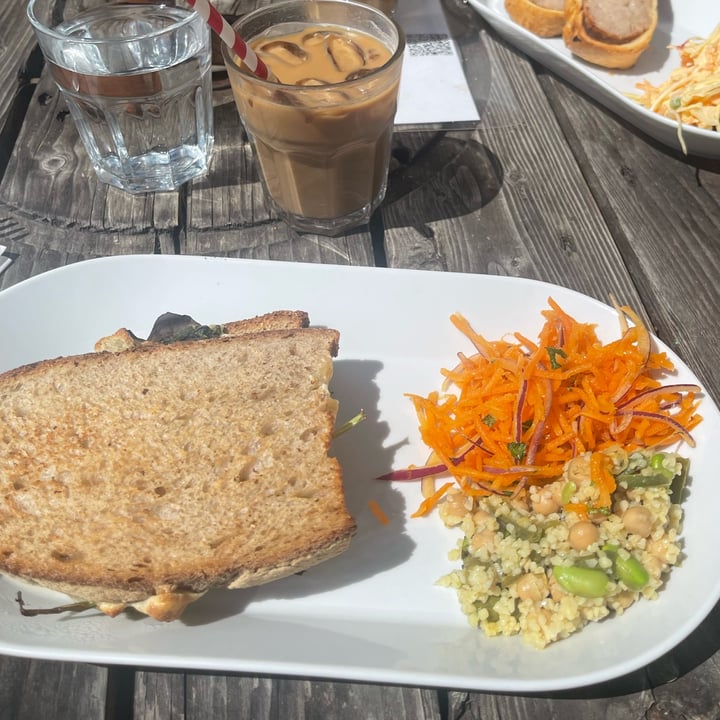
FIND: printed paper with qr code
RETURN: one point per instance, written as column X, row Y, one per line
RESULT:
column 433, row 88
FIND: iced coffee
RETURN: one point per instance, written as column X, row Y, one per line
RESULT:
column 322, row 133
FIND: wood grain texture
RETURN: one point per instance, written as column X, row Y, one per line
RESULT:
column 170, row 696
column 32, row 689
column 509, row 199
column 38, row 247
column 15, row 80
column 49, row 178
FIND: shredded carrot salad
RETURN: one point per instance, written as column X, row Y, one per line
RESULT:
column 691, row 94
column 520, row 409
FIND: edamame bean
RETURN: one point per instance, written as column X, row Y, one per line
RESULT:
column 628, row 569
column 631, row 571
column 586, row 582
column 656, row 461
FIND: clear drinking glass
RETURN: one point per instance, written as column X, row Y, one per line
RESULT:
column 136, row 79
column 322, row 149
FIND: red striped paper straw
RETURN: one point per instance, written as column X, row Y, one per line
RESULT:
column 222, row 28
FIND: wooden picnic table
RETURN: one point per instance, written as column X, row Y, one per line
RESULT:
column 548, row 184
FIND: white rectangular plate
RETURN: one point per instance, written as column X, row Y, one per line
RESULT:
column 676, row 23
column 373, row 614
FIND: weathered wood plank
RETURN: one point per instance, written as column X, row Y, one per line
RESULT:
column 49, row 177
column 31, row 689
column 37, row 247
column 509, row 199
column 278, row 242
column 15, row 48
column 172, row 696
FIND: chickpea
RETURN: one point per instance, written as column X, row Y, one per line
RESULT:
column 532, row 586
column 578, row 470
column 556, row 592
column 544, row 503
column 481, row 516
column 556, row 490
column 583, row 534
column 455, row 507
column 638, row 520
column 654, row 566
column 482, row 540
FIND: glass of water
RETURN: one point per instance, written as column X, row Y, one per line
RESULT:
column 136, row 77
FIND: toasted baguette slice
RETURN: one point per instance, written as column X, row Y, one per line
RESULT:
column 604, row 35
column 544, row 18
column 149, row 476
column 124, row 339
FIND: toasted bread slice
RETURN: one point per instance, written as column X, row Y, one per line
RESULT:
column 544, row 18
column 277, row 320
column 149, row 476
column 612, row 35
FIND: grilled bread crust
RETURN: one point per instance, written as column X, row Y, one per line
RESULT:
column 148, row 476
column 542, row 19
column 588, row 37
column 124, row 339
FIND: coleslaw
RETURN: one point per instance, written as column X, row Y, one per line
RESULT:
column 691, row 94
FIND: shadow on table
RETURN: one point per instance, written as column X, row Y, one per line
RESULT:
column 452, row 176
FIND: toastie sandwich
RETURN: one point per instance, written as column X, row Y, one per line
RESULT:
column 146, row 475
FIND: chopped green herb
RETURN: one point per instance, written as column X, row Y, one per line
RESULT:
column 489, row 420
column 553, row 354
column 517, row 450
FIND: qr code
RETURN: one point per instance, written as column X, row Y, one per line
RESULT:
column 429, row 45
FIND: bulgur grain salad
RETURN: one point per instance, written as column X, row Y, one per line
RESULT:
column 530, row 567
column 556, row 463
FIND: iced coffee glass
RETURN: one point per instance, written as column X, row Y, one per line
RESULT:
column 321, row 135
column 136, row 79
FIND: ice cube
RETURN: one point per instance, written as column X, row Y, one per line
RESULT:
column 283, row 98
column 311, row 81
column 287, row 52
column 346, row 55
column 357, row 74
column 334, row 97
column 315, row 38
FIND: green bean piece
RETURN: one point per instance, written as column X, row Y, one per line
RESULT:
column 638, row 480
column 521, row 527
column 659, row 471
column 677, row 488
column 489, row 605
column 585, row 582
